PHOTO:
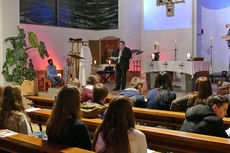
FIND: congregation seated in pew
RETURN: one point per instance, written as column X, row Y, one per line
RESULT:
column 134, row 92
column 96, row 107
column 86, row 91
column 207, row 119
column 12, row 111
column 203, row 90
column 117, row 132
column 64, row 125
column 162, row 95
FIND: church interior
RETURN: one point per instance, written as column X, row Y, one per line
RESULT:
column 58, row 52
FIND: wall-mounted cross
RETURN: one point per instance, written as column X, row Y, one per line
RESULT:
column 165, row 64
column 169, row 5
column 181, row 65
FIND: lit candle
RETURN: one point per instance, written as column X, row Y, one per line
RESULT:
column 188, row 56
column 211, row 40
column 174, row 44
column 109, row 62
column 153, row 57
column 95, row 62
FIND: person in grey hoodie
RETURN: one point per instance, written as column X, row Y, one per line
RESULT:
column 134, row 92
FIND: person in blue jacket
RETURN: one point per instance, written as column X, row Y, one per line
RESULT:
column 134, row 92
column 162, row 95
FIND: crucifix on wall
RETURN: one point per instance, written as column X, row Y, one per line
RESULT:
column 169, row 5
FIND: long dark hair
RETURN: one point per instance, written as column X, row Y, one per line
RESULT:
column 11, row 103
column 114, row 128
column 163, row 82
column 202, row 92
column 66, row 108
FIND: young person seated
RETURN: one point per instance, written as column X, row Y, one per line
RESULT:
column 12, row 111
column 117, row 133
column 51, row 71
column 207, row 119
column 97, row 107
column 86, row 91
column 203, row 90
column 134, row 92
column 64, row 125
column 162, row 95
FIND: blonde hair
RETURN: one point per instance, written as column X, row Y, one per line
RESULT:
column 135, row 82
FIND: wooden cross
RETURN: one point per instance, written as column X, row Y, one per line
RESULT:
column 165, row 64
column 181, row 65
column 169, row 5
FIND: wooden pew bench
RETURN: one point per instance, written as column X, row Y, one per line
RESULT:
column 173, row 120
column 28, row 144
column 157, row 138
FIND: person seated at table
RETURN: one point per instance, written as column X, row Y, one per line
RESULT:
column 207, row 119
column 203, row 90
column 86, row 91
column 12, row 111
column 117, row 132
column 162, row 95
column 100, row 92
column 51, row 71
column 134, row 92
column 64, row 125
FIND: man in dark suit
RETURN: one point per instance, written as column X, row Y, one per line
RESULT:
column 122, row 66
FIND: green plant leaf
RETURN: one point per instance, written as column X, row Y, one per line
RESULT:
column 10, row 60
column 42, row 50
column 33, row 40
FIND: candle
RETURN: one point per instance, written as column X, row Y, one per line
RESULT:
column 158, row 46
column 95, row 62
column 188, row 56
column 211, row 40
column 174, row 44
column 153, row 57
column 109, row 62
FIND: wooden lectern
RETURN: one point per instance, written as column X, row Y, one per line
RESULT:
column 225, row 37
column 76, row 59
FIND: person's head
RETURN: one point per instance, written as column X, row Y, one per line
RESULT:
column 65, row 109
column 137, row 83
column 163, row 80
column 50, row 61
column 227, row 26
column 203, row 90
column 122, row 44
column 118, row 120
column 219, row 105
column 92, row 79
column 11, row 102
column 75, row 82
column 100, row 92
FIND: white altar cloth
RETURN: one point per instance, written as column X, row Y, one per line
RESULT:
column 187, row 67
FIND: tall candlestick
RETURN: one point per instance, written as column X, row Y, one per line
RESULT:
column 153, row 57
column 174, row 44
column 95, row 62
column 211, row 40
column 188, row 56
column 109, row 62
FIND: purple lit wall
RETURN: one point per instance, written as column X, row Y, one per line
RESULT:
column 212, row 17
column 155, row 16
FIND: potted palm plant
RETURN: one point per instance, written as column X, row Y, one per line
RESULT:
column 18, row 67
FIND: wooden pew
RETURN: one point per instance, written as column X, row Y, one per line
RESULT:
column 25, row 143
column 171, row 119
column 157, row 138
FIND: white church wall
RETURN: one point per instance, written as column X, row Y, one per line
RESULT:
column 56, row 38
column 9, row 20
column 214, row 16
column 157, row 27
